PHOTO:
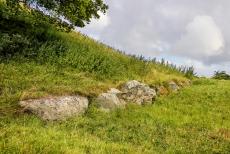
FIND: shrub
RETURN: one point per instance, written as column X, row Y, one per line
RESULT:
column 221, row 75
column 13, row 44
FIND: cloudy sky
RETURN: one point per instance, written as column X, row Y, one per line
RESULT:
column 185, row 32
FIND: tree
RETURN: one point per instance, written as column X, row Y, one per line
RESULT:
column 221, row 75
column 65, row 12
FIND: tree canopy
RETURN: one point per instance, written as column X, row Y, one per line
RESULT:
column 70, row 12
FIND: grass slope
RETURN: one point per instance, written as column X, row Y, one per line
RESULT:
column 36, row 61
column 83, row 66
column 195, row 120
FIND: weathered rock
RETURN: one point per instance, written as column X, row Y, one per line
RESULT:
column 184, row 83
column 110, row 100
column 173, row 86
column 187, row 83
column 56, row 108
column 139, row 93
column 180, row 84
column 114, row 91
column 161, row 90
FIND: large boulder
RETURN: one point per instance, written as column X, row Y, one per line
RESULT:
column 110, row 100
column 139, row 93
column 56, row 108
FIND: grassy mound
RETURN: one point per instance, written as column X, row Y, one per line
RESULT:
column 70, row 63
column 37, row 60
column 196, row 120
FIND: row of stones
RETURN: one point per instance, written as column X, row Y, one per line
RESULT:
column 134, row 92
column 60, row 108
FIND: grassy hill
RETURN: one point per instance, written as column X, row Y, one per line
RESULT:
column 37, row 60
column 79, row 65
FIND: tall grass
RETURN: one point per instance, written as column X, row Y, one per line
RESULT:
column 26, row 38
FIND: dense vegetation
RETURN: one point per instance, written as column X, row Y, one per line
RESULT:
column 196, row 120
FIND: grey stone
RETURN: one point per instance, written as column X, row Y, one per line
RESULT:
column 114, row 91
column 110, row 100
column 56, row 108
column 139, row 93
column 173, row 86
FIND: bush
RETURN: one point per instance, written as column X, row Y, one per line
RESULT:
column 221, row 75
column 13, row 44
column 19, row 45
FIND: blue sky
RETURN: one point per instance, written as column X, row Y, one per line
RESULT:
column 185, row 32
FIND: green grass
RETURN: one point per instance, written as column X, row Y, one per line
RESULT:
column 82, row 66
column 26, row 80
column 41, row 61
column 195, row 120
column 38, row 61
column 88, row 55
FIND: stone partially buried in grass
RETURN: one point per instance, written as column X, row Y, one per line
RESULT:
column 183, row 84
column 173, row 86
column 161, row 91
column 56, row 108
column 139, row 93
column 110, row 100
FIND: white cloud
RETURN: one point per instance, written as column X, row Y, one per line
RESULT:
column 101, row 23
column 202, row 38
column 97, row 25
column 206, row 70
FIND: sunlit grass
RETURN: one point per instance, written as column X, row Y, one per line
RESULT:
column 195, row 120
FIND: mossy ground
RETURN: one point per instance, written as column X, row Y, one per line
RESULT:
column 195, row 120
